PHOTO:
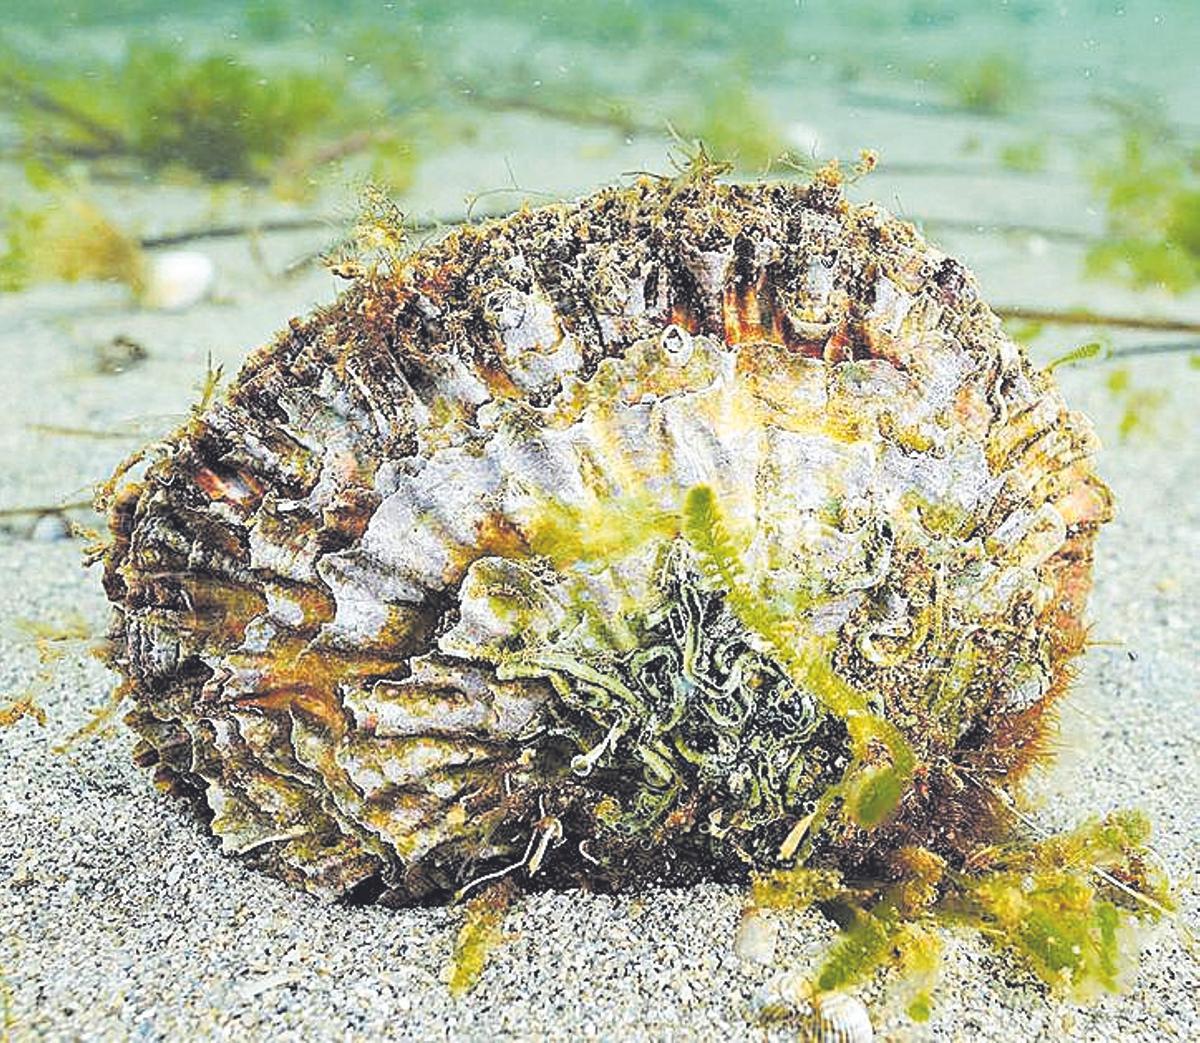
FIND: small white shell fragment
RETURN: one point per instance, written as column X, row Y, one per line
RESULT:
column 785, row 991
column 178, row 279
column 804, row 138
column 50, row 528
column 841, row 1018
column 756, row 938
column 677, row 344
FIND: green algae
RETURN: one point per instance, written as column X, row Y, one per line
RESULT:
column 1084, row 353
column 1065, row 906
column 1140, row 406
column 218, row 117
column 734, row 126
column 1027, row 156
column 478, row 936
column 872, row 790
column 603, row 533
column 67, row 238
column 992, row 85
column 1151, row 194
column 795, row 888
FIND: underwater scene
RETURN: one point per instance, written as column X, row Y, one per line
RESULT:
column 599, row 520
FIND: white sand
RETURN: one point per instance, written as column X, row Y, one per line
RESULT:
column 119, row 919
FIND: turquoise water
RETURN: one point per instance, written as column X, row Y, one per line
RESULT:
column 1072, row 120
column 753, row 80
column 1054, row 147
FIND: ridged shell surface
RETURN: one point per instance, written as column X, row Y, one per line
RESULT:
column 841, row 1018
column 417, row 601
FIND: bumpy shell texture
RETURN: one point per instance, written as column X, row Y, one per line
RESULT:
column 683, row 530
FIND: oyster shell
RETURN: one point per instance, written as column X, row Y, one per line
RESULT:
column 467, row 573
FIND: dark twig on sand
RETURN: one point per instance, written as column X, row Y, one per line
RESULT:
column 1158, row 347
column 108, row 141
column 234, row 231
column 1085, row 317
column 52, row 508
column 83, row 432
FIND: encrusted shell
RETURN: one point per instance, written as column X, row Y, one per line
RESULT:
column 412, row 606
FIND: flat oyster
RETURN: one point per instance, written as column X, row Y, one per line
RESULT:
column 686, row 529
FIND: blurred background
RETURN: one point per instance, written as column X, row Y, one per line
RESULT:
column 173, row 174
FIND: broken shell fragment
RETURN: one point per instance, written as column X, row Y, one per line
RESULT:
column 756, row 937
column 839, row 1017
column 672, row 533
